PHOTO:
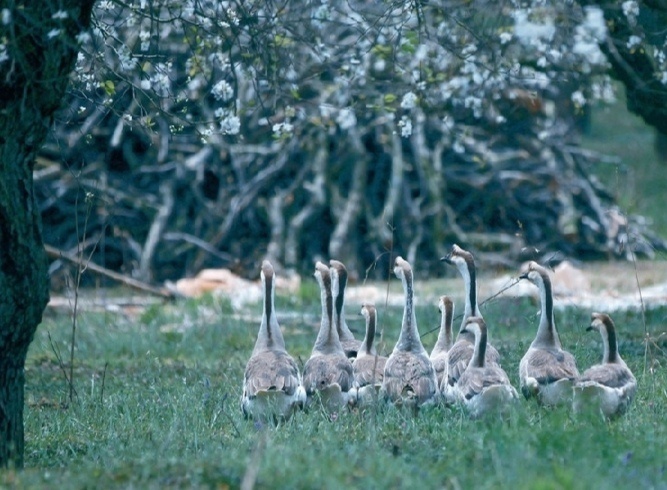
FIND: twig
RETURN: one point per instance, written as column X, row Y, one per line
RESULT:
column 128, row 281
column 252, row 470
column 104, row 377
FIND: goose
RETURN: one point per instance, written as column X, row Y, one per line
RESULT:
column 483, row 388
column 272, row 386
column 338, row 283
column 440, row 353
column 461, row 352
column 409, row 377
column 546, row 370
column 368, row 367
column 328, row 372
column 609, row 386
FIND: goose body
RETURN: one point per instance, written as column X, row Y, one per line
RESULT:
column 440, row 353
column 462, row 350
column 338, row 284
column 368, row 367
column 409, row 377
column 483, row 389
column 609, row 386
column 546, row 371
column 271, row 383
column 327, row 375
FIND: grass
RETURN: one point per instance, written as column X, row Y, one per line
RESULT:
column 158, row 407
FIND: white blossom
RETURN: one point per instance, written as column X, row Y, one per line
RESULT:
column 406, row 126
column 3, row 53
column 578, row 98
column 222, row 91
column 230, row 124
column 6, row 16
column 630, row 9
column 505, row 37
column 83, row 37
column 634, row 41
column 60, row 14
column 53, row 33
column 409, row 100
column 346, row 119
column 282, row 129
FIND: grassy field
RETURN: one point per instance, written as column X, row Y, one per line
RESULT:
column 158, row 407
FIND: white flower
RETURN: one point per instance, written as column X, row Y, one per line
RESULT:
column 53, row 33
column 60, row 14
column 6, row 16
column 634, row 41
column 230, row 125
column 346, row 119
column 83, row 37
column 409, row 101
column 578, row 98
column 282, row 129
column 406, row 126
column 3, row 53
column 222, row 91
column 505, row 37
column 630, row 8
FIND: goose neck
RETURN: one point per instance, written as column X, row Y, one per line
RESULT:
column 408, row 339
column 477, row 359
column 327, row 337
column 547, row 334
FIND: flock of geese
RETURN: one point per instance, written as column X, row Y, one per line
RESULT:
column 466, row 370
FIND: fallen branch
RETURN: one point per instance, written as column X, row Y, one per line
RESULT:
column 128, row 281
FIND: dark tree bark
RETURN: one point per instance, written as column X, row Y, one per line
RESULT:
column 33, row 84
column 646, row 95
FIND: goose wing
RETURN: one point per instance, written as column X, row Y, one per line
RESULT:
column 322, row 371
column 459, row 357
column 611, row 375
column 409, row 375
column 475, row 380
column 549, row 365
column 369, row 370
column 271, row 371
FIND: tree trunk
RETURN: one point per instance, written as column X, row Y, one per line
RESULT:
column 32, row 86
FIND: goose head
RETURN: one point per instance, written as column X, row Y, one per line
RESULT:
column 535, row 273
column 323, row 276
column 599, row 322
column 402, row 268
column 367, row 310
column 462, row 259
column 266, row 272
column 604, row 324
column 476, row 326
column 338, row 279
column 445, row 305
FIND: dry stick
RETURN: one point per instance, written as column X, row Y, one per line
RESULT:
column 59, row 358
column 252, row 470
column 515, row 281
column 128, row 281
column 104, row 377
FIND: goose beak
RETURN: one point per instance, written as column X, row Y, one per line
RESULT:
column 447, row 258
column 523, row 275
column 590, row 328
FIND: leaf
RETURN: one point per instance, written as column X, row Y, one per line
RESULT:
column 109, row 87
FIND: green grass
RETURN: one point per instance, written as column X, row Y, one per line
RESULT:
column 158, row 407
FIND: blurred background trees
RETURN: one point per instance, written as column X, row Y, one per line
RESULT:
column 212, row 134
